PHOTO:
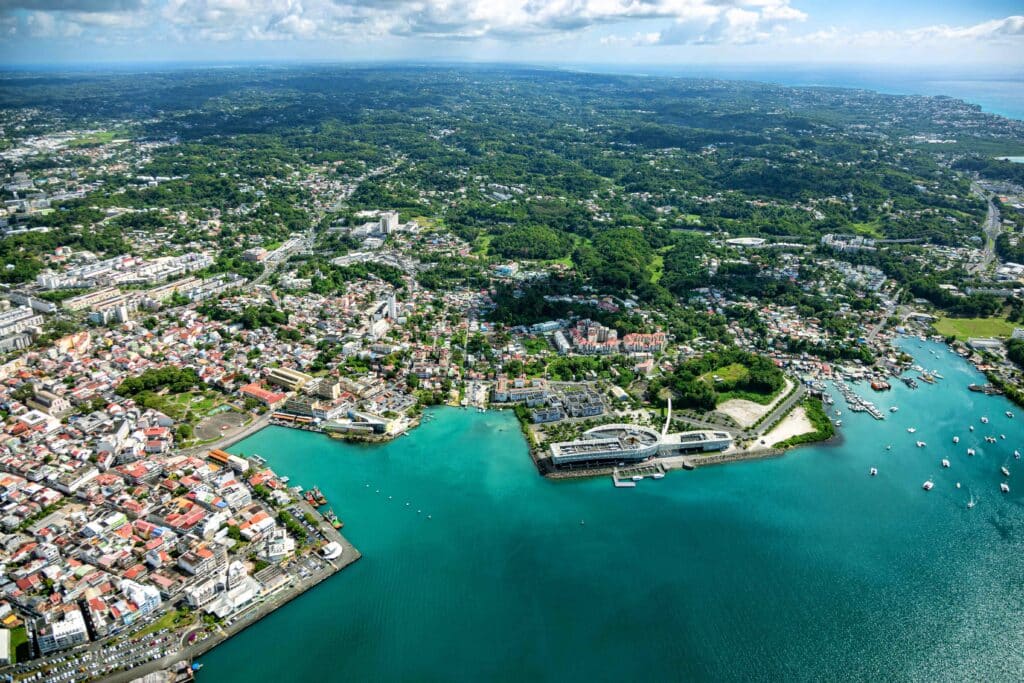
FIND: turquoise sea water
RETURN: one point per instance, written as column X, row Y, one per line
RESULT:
column 797, row 568
column 997, row 89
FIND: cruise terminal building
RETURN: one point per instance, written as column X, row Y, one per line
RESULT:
column 611, row 444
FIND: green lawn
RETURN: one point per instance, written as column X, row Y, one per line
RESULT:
column 730, row 373
column 482, row 245
column 19, row 644
column 962, row 328
column 872, row 229
column 173, row 619
column 657, row 268
column 92, row 139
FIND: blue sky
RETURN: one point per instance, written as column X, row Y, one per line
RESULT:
column 896, row 33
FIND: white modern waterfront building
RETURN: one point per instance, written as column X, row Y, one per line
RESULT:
column 628, row 443
column 622, row 443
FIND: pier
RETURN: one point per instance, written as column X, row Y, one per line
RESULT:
column 855, row 403
column 627, row 477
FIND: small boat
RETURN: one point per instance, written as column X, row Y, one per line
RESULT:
column 911, row 429
column 1005, row 471
column 889, row 447
column 1009, row 414
column 332, row 519
column 839, row 423
column 970, row 503
column 581, row 522
column 873, row 472
column 1016, row 454
column 637, row 477
column 970, row 451
column 945, row 463
column 971, row 428
column 984, row 420
column 921, row 444
column 958, row 484
column 658, row 475
column 1004, row 487
column 956, row 439
column 894, row 409
column 1002, row 436
column 990, row 439
column 928, row 485
column 315, row 497
column 429, row 517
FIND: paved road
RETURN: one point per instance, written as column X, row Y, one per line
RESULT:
column 993, row 228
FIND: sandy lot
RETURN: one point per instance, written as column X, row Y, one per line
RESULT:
column 794, row 424
column 211, row 427
column 747, row 413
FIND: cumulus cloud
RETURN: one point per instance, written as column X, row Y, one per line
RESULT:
column 73, row 5
column 692, row 20
column 660, row 22
column 997, row 30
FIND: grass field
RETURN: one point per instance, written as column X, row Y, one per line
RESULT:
column 962, row 328
column 19, row 644
column 173, row 619
column 93, row 139
column 657, row 268
column 872, row 229
column 730, row 373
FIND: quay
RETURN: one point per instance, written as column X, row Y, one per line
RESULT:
column 693, row 462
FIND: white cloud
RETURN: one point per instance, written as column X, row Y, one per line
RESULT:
column 998, row 30
column 509, row 20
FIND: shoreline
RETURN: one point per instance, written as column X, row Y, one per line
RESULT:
column 273, row 602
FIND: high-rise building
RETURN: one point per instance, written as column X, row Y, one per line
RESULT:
column 388, row 222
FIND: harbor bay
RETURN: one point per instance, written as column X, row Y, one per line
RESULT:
column 802, row 566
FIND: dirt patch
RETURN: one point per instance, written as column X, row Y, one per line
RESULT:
column 214, row 426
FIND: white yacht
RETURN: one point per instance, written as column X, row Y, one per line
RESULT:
column 956, row 439
column 970, row 451
column 984, row 420
column 928, row 485
column 945, row 463
column 873, row 472
column 1004, row 487
column 911, row 429
column 972, row 428
column 1005, row 471
column 894, row 409
column 1009, row 414
column 921, row 444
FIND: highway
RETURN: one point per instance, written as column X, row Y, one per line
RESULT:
column 993, row 228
